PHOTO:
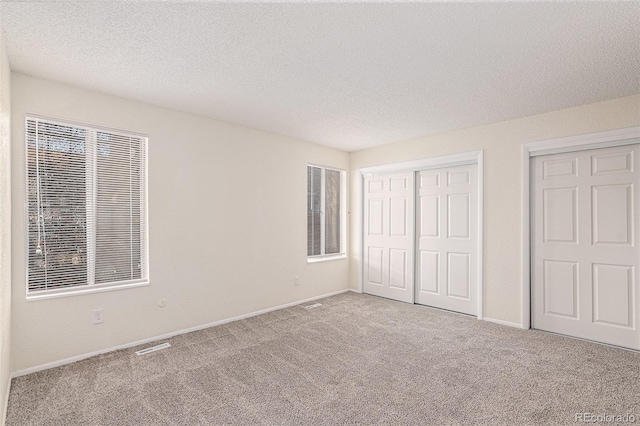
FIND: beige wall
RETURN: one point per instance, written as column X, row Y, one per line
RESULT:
column 227, row 227
column 227, row 217
column 502, row 185
column 5, row 227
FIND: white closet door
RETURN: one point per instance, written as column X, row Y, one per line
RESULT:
column 447, row 232
column 585, row 244
column 388, row 236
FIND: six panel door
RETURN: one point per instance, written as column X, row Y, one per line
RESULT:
column 388, row 236
column 447, row 238
column 585, row 244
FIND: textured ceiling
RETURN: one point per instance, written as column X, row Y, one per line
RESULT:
column 349, row 76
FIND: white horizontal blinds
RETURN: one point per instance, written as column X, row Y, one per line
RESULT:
column 332, row 211
column 86, row 206
column 324, row 211
column 118, row 207
column 314, row 210
column 56, row 204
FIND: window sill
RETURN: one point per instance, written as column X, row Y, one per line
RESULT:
column 76, row 291
column 318, row 259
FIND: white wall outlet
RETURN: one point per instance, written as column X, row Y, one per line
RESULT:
column 162, row 302
column 296, row 280
column 98, row 316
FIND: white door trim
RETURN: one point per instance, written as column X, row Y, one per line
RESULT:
column 617, row 137
column 471, row 157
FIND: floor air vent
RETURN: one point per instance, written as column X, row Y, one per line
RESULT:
column 315, row 305
column 153, row 349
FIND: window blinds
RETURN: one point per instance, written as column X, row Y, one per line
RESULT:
column 314, row 210
column 86, row 206
column 323, row 211
column 332, row 212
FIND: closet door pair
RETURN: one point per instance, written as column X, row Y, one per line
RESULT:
column 420, row 237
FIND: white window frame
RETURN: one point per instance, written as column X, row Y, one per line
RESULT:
column 343, row 222
column 90, row 287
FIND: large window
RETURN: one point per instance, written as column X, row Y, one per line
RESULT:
column 325, row 192
column 86, row 207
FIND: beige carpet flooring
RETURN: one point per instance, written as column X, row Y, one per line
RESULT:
column 357, row 359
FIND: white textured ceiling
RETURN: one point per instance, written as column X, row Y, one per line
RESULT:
column 349, row 76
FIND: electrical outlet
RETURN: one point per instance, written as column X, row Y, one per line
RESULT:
column 98, row 316
column 296, row 280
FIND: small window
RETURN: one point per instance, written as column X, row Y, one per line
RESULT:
column 86, row 207
column 325, row 199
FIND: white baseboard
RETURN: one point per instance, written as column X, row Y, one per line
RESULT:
column 6, row 403
column 354, row 290
column 501, row 322
column 165, row 336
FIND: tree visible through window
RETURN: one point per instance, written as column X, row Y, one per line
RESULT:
column 86, row 206
column 324, row 211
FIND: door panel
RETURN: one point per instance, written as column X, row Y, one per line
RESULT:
column 375, row 217
column 430, row 218
column 458, row 275
column 560, row 215
column 458, row 211
column 375, row 265
column 613, row 295
column 584, row 251
column 560, row 283
column 388, row 239
column 398, row 216
column 447, row 238
column 429, row 265
column 612, row 214
column 397, row 268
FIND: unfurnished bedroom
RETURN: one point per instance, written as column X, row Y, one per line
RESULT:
column 319, row 213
